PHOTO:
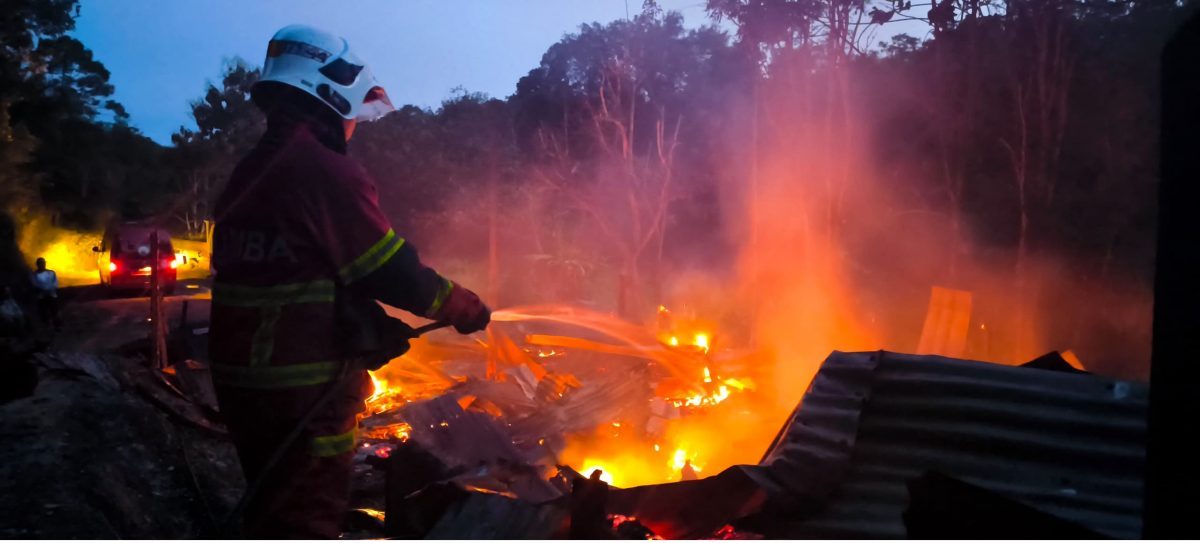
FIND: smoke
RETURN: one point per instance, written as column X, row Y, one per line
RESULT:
column 833, row 254
column 836, row 254
column 818, row 241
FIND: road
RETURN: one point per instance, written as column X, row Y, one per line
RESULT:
column 94, row 320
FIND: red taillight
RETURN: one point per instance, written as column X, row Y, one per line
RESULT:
column 172, row 264
column 112, row 266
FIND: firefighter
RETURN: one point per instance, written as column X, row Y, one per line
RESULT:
column 301, row 254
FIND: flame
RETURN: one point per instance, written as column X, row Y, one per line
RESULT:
column 682, row 458
column 700, row 341
column 380, row 386
column 401, row 431
column 721, row 395
column 628, row 462
column 718, row 394
column 740, row 384
column 679, row 459
column 411, row 377
column 701, row 428
column 605, row 475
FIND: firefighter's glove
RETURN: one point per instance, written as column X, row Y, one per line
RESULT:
column 394, row 338
column 464, row 310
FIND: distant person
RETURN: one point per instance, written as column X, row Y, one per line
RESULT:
column 12, row 317
column 45, row 286
column 303, row 252
column 688, row 472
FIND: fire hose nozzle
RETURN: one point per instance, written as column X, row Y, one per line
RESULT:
column 422, row 330
column 396, row 343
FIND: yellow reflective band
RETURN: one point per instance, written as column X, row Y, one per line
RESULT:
column 447, row 286
column 334, row 445
column 372, row 259
column 274, row 377
column 263, row 343
column 293, row 293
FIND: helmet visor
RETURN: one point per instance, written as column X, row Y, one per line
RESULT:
column 376, row 104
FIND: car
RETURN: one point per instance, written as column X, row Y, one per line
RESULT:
column 126, row 255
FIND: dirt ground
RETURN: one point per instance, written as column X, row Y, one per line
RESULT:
column 93, row 458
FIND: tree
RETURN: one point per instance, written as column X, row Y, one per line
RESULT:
column 608, row 117
column 51, row 93
column 227, row 126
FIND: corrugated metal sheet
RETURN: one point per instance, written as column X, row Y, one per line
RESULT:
column 1072, row 445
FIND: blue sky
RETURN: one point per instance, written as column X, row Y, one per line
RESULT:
column 161, row 52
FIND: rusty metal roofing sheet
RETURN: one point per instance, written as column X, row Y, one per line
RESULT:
column 1072, row 445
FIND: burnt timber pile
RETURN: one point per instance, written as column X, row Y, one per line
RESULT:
column 883, row 445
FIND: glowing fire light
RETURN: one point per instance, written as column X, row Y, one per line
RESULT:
column 380, row 386
column 701, row 341
column 618, row 520
column 626, row 454
column 681, row 458
column 604, row 474
column 739, row 384
column 400, row 431
column 721, row 394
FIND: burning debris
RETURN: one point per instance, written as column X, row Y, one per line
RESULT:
column 585, row 442
column 489, row 439
column 552, row 398
column 553, row 386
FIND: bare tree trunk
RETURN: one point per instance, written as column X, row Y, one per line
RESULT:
column 493, row 273
column 1019, row 157
column 1041, row 89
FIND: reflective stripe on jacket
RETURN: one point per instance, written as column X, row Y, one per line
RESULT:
column 297, row 223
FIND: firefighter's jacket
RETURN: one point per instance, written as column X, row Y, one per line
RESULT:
column 297, row 228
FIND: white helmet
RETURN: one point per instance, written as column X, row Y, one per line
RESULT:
column 322, row 65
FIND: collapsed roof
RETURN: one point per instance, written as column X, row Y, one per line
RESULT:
column 1068, row 444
